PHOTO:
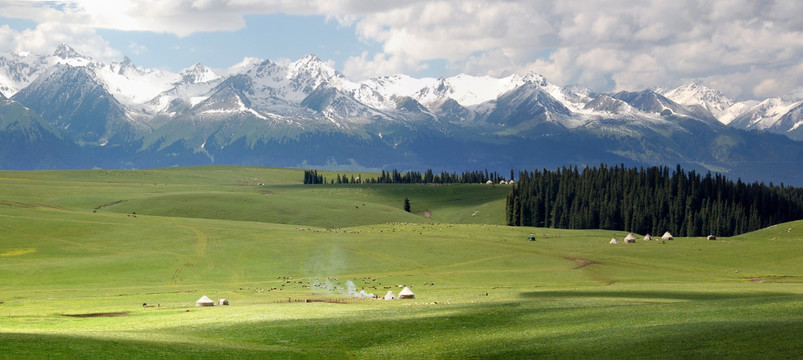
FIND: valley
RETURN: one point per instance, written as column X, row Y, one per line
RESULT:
column 69, row 111
column 109, row 264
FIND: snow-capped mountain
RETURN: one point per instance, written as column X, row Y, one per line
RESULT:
column 305, row 112
column 74, row 99
column 19, row 70
column 773, row 115
column 780, row 115
column 528, row 106
column 192, row 88
column 710, row 100
column 129, row 84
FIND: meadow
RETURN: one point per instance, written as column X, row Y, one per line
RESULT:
column 109, row 264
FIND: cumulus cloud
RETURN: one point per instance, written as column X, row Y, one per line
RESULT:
column 606, row 45
column 137, row 48
column 45, row 37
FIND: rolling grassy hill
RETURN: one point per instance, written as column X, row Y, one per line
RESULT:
column 82, row 251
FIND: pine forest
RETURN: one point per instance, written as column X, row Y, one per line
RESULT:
column 648, row 201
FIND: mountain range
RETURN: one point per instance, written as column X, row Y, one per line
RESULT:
column 67, row 110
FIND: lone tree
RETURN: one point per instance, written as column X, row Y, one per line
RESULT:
column 406, row 204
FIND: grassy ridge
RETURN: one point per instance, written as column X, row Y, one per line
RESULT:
column 70, row 245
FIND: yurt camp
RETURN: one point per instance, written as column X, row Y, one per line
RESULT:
column 406, row 293
column 204, row 301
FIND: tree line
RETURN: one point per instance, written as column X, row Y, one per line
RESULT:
column 648, row 201
column 409, row 177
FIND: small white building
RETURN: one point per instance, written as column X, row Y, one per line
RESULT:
column 204, row 301
column 406, row 293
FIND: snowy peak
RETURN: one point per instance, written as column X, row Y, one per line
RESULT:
column 309, row 72
column 65, row 52
column 537, row 79
column 467, row 90
column 528, row 107
column 125, row 67
column 794, row 95
column 379, row 92
column 198, row 73
column 309, row 64
column 712, row 100
column 766, row 115
column 650, row 102
column 607, row 104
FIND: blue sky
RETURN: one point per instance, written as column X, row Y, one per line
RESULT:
column 747, row 49
column 271, row 36
column 265, row 36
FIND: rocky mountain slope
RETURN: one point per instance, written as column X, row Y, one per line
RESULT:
column 307, row 114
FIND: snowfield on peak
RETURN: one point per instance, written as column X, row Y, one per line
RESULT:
column 134, row 86
column 695, row 94
column 299, row 89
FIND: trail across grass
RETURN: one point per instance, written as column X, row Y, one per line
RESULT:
column 108, row 264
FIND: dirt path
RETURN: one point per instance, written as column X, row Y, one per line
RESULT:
column 202, row 242
column 581, row 262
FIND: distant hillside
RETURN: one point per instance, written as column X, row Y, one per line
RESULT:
column 649, row 201
column 306, row 114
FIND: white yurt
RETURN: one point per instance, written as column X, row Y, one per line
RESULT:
column 406, row 293
column 389, row 295
column 667, row 236
column 630, row 239
column 204, row 301
column 647, row 237
column 613, row 241
column 222, row 302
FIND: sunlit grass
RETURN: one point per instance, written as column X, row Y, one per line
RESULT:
column 482, row 290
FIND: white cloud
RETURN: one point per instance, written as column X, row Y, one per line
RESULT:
column 366, row 66
column 45, row 37
column 746, row 47
column 136, row 48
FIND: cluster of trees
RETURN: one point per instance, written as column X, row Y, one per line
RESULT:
column 429, row 177
column 410, row 177
column 648, row 201
column 312, row 177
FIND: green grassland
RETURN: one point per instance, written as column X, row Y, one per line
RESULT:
column 82, row 251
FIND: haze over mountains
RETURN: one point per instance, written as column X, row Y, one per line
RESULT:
column 70, row 111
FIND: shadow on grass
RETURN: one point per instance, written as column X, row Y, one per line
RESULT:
column 532, row 328
column 656, row 294
column 750, row 326
column 52, row 346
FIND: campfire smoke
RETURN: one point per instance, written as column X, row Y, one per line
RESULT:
column 352, row 291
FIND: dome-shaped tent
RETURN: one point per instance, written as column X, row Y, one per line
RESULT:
column 667, row 236
column 406, row 293
column 204, row 301
column 630, row 238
